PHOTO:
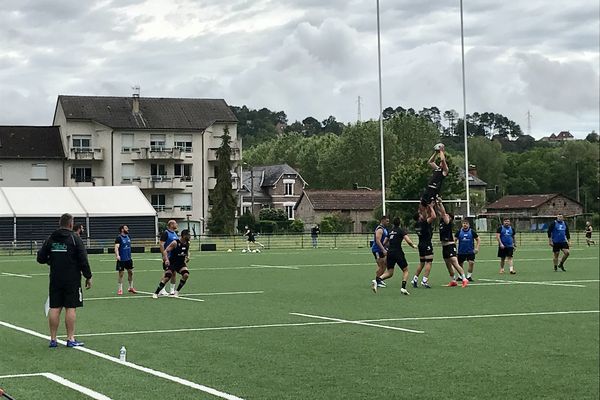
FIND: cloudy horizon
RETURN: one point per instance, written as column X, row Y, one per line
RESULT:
column 308, row 57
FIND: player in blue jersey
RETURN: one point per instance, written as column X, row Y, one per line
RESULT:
column 467, row 241
column 124, row 260
column 380, row 252
column 168, row 235
column 505, row 236
column 176, row 262
column 558, row 239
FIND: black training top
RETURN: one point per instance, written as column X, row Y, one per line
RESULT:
column 424, row 232
column 435, row 182
column 66, row 254
column 446, row 231
column 178, row 254
column 396, row 235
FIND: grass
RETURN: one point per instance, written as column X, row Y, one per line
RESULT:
column 272, row 354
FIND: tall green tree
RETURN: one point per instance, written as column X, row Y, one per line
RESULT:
column 222, row 214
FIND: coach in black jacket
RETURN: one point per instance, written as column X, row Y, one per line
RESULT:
column 66, row 254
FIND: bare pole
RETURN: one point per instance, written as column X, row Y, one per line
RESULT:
column 380, row 111
column 462, row 48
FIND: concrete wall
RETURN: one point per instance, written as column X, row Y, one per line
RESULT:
column 19, row 173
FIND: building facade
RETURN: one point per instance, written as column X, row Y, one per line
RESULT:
column 165, row 146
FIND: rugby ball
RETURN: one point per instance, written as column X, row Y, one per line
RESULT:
column 243, row 250
column 439, row 146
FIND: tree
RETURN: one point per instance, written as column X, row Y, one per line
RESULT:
column 451, row 116
column 592, row 137
column 222, row 214
column 330, row 125
column 311, row 126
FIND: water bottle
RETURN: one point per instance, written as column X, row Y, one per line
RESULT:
column 123, row 354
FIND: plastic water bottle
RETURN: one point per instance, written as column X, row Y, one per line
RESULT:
column 123, row 354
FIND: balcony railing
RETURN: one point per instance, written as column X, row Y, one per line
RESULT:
column 212, row 182
column 156, row 182
column 174, row 212
column 93, row 181
column 86, row 153
column 157, row 153
column 235, row 154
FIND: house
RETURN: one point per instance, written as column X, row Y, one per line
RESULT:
column 31, row 156
column 561, row 137
column 271, row 186
column 165, row 146
column 533, row 210
column 313, row 205
column 477, row 192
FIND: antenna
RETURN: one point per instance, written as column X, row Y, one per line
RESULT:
column 528, row 122
column 359, row 103
column 136, row 90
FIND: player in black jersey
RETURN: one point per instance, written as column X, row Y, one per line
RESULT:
column 176, row 262
column 434, row 185
column 448, row 246
column 395, row 254
column 424, row 232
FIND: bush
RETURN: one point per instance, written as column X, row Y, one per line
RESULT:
column 336, row 222
column 267, row 226
column 297, row 226
column 246, row 220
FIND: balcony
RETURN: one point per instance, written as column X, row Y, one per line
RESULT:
column 212, row 182
column 159, row 182
column 235, row 154
column 157, row 153
column 94, row 181
column 173, row 212
column 86, row 153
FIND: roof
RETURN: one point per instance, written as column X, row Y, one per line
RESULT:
column 475, row 181
column 155, row 112
column 31, row 142
column 342, row 199
column 97, row 201
column 268, row 175
column 521, row 201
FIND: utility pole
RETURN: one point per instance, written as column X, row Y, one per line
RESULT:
column 528, row 122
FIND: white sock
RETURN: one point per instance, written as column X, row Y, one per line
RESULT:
column 120, row 286
column 173, row 285
column 424, row 279
column 468, row 275
column 416, row 278
column 130, row 284
column 463, row 277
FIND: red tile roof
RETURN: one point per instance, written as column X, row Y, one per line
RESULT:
column 520, row 201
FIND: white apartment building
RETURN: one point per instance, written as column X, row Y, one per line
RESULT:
column 165, row 146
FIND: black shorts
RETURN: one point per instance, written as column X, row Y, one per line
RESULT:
column 428, row 196
column 588, row 235
column 124, row 265
column 425, row 250
column 465, row 257
column 505, row 252
column 378, row 255
column 177, row 268
column 251, row 239
column 68, row 296
column 449, row 251
column 556, row 247
column 396, row 258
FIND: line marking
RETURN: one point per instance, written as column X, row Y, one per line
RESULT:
column 187, row 295
column 357, row 323
column 543, row 283
column 526, row 314
column 65, row 382
column 274, row 266
column 17, row 275
column 116, row 360
column 171, row 297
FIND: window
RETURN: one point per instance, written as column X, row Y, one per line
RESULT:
column 157, row 142
column 158, row 202
column 39, row 172
column 82, row 174
column 158, row 172
column 184, row 171
column 126, row 142
column 183, row 201
column 183, row 142
column 289, row 209
column 127, row 171
column 289, row 186
column 81, row 142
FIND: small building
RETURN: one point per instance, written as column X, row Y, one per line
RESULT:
column 271, row 186
column 31, row 156
column 560, row 137
column 534, row 211
column 359, row 205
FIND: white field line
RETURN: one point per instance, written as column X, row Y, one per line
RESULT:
column 217, row 328
column 337, row 322
column 357, row 323
column 187, row 295
column 542, row 283
column 17, row 275
column 526, row 314
column 65, row 382
column 128, row 364
column 172, row 297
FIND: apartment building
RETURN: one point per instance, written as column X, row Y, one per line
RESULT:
column 165, row 146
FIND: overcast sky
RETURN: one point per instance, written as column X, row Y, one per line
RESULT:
column 308, row 57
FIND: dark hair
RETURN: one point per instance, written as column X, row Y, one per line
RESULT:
column 121, row 228
column 185, row 232
column 65, row 220
column 77, row 227
column 383, row 217
column 396, row 221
